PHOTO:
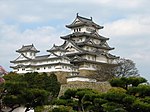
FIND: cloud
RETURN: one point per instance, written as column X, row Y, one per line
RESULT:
column 44, row 10
column 12, row 39
column 29, row 18
column 129, row 26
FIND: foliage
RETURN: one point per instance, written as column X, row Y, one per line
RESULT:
column 140, row 106
column 140, row 91
column 43, row 81
column 129, row 94
column 30, row 90
column 39, row 109
column 62, row 109
column 14, row 77
column 135, row 81
column 76, row 98
column 125, row 82
column 35, row 97
column 113, row 107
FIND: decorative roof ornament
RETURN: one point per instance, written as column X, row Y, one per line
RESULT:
column 77, row 14
column 91, row 18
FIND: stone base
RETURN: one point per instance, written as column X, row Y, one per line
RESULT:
column 99, row 86
column 61, row 76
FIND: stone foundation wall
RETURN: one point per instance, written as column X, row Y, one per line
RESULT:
column 99, row 86
column 61, row 76
column 87, row 72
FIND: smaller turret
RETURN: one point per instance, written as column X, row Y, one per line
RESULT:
column 28, row 51
column 57, row 50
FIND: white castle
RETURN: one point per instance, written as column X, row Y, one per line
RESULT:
column 83, row 49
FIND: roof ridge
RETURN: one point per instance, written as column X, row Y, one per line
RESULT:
column 29, row 45
column 84, row 18
column 43, row 55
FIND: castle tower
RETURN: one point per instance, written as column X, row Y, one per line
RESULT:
column 23, row 63
column 28, row 51
column 86, row 48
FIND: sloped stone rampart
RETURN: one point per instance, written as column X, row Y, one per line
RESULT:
column 99, row 86
column 87, row 72
column 61, row 76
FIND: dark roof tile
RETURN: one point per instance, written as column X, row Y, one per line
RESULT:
column 84, row 21
column 27, row 48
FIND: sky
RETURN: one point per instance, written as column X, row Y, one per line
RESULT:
column 42, row 22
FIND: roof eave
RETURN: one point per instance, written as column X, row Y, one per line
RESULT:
column 19, row 51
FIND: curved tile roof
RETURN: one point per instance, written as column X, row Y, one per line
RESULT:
column 84, row 21
column 27, row 48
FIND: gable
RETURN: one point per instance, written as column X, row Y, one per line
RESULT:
column 76, row 21
column 77, row 58
column 105, row 44
column 71, row 47
column 90, row 42
column 21, row 57
column 53, row 55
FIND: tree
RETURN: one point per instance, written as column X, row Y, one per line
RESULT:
column 75, row 98
column 104, row 73
column 62, row 109
column 13, row 95
column 126, row 82
column 52, row 85
column 30, row 90
column 128, row 94
column 125, row 68
column 43, row 81
column 34, row 97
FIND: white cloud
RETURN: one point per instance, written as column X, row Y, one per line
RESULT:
column 29, row 18
column 129, row 27
column 12, row 39
column 141, row 56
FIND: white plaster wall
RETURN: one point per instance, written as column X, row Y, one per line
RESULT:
column 80, row 79
column 101, row 59
column 96, row 41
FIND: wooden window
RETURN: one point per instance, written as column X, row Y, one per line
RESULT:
column 79, row 29
column 23, row 69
